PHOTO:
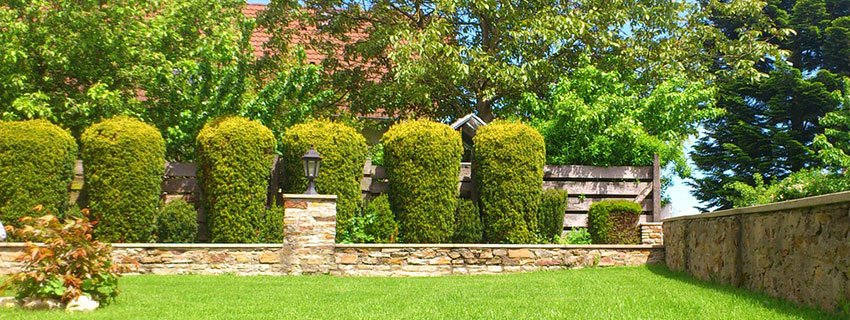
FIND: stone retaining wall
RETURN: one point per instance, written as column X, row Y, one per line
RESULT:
column 451, row 259
column 363, row 259
column 796, row 250
column 651, row 233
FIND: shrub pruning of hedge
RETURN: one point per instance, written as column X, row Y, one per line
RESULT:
column 550, row 218
column 177, row 222
column 508, row 162
column 36, row 168
column 124, row 160
column 614, row 222
column 343, row 152
column 468, row 227
column 235, row 157
column 422, row 159
column 380, row 222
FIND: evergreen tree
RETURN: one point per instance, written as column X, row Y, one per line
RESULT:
column 769, row 124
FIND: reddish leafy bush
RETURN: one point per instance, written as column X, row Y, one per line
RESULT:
column 66, row 265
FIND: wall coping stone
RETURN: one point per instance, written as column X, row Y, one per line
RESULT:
column 651, row 223
column 310, row 196
column 173, row 245
column 497, row 246
column 362, row 245
column 832, row 198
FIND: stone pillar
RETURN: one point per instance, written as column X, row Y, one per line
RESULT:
column 651, row 233
column 309, row 232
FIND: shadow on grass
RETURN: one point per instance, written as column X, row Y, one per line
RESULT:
column 781, row 306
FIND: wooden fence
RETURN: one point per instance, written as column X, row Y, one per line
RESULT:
column 585, row 184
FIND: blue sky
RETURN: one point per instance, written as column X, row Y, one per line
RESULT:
column 682, row 201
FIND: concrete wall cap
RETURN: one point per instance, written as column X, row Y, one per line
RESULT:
column 832, row 198
column 290, row 196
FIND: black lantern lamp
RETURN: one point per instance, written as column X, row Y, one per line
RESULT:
column 312, row 160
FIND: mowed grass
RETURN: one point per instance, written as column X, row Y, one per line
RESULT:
column 612, row 293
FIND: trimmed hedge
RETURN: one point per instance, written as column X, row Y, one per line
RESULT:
column 508, row 162
column 177, row 222
column 124, row 160
column 36, row 168
column 614, row 222
column 422, row 159
column 273, row 225
column 468, row 227
column 550, row 217
column 235, row 157
column 343, row 152
column 380, row 221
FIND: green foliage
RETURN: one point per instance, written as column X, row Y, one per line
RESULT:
column 550, row 215
column 592, row 117
column 124, row 161
column 192, row 60
column 800, row 184
column 343, row 152
column 376, row 154
column 36, row 167
column 422, row 159
column 272, row 231
column 62, row 261
column 614, row 222
column 379, row 221
column 575, row 236
column 177, row 222
column 770, row 124
column 468, row 228
column 508, row 163
column 501, row 51
column 235, row 158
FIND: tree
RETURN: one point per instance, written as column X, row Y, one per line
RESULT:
column 442, row 59
column 769, row 124
column 174, row 64
column 595, row 118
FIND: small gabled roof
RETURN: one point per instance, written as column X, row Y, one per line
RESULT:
column 470, row 121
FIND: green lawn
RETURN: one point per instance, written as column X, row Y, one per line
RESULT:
column 611, row 293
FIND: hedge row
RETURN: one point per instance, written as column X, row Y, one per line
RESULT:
column 124, row 160
column 36, row 168
column 235, row 156
column 508, row 162
column 614, row 222
column 422, row 159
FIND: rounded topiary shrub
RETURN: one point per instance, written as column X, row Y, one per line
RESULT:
column 508, row 162
column 422, row 159
column 614, row 222
column 123, row 163
column 177, row 222
column 380, row 222
column 468, row 227
column 36, row 168
column 343, row 152
column 550, row 217
column 235, row 157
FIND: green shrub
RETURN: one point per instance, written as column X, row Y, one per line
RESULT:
column 343, row 152
column 468, row 227
column 177, row 222
column 508, row 162
column 379, row 220
column 614, row 222
column 273, row 225
column 124, row 160
column 550, row 217
column 422, row 159
column 235, row 157
column 574, row 236
column 36, row 168
column 800, row 184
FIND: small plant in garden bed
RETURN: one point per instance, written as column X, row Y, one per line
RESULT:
column 575, row 236
column 68, row 265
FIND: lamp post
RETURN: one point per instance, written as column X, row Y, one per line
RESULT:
column 311, row 160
